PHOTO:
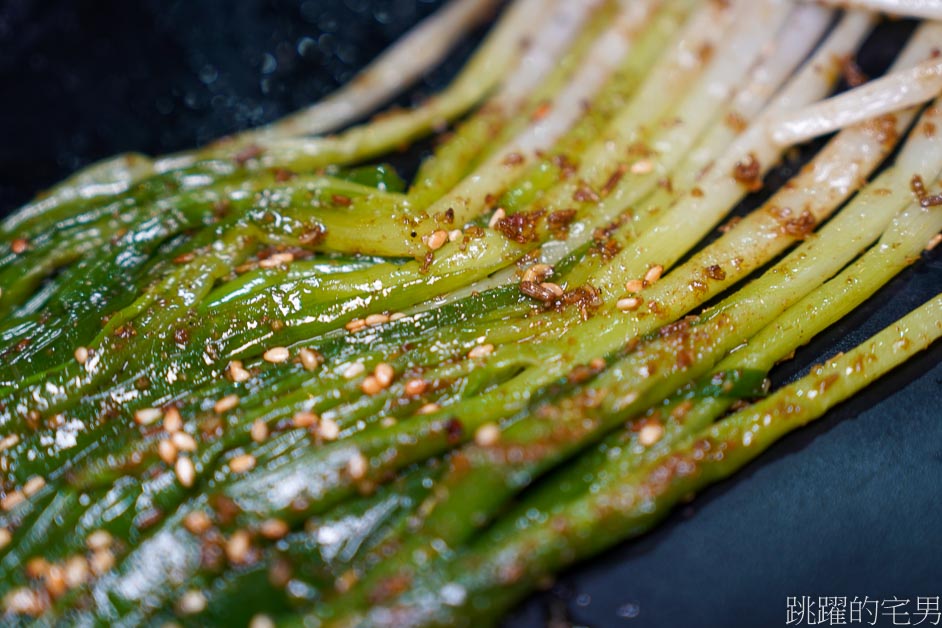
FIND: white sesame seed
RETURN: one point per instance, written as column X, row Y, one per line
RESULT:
column 650, row 434
column 98, row 540
column 262, row 621
column 653, row 274
column 487, row 435
column 242, row 463
column 353, row 370
column 642, row 167
column 328, row 429
column 5, row 537
column 554, row 288
column 437, row 239
column 192, row 602
column 376, row 319
column 197, row 522
column 225, row 404
column 384, row 374
column 23, row 601
column 416, row 386
column 276, row 355
column 259, row 431
column 81, row 355
column 278, row 259
column 355, row 325
column 480, row 351
column 628, row 304
column 146, row 416
column 273, row 529
column 33, row 485
column 237, row 372
column 9, row 441
column 498, row 215
column 310, row 359
column 387, row 421
column 173, row 422
column 101, row 561
column 395, row 316
column 455, row 234
column 305, row 419
column 167, row 451
column 371, row 386
column 634, row 285
column 237, row 547
column 12, row 499
column 357, row 466
column 76, row 571
column 183, row 441
column 537, row 273
column 186, row 472
column 429, row 408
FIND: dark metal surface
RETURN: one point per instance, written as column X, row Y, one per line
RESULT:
column 850, row 506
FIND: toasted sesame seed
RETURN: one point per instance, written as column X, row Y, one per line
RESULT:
column 259, row 431
column 650, row 434
column 186, row 472
column 183, row 441
column 455, row 234
column 416, row 386
column 328, row 429
column 355, row 325
column 9, row 441
column 487, row 435
column 76, row 571
column 353, row 370
column 19, row 246
column 371, row 386
column 197, row 522
column 242, row 463
column 273, row 529
column 480, row 351
column 238, row 546
column 498, row 215
column 5, row 537
column 653, row 274
column 101, row 561
column 429, row 408
column 628, row 304
column 357, row 466
column 37, row 567
column 537, row 273
column 276, row 355
column 395, row 316
column 226, row 403
column 192, row 602
column 33, row 485
column 167, row 451
column 642, row 167
column 173, row 422
column 634, row 285
column 597, row 363
column 261, row 621
column 384, row 374
column 554, row 288
column 81, row 355
column 146, row 416
column 237, row 372
column 376, row 319
column 278, row 259
column 436, row 239
column 98, row 540
column 23, row 601
column 310, row 359
column 305, row 419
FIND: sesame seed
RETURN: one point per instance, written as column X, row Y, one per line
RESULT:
column 537, row 273
column 237, row 372
column 310, row 359
column 98, row 540
column 276, row 355
column 9, row 441
column 101, row 561
column 33, row 485
column 259, row 431
column 416, row 386
column 387, row 421
column 384, row 374
column 437, row 239
column 628, row 304
column 76, row 571
column 197, row 522
column 19, row 246
column 355, row 325
column 376, row 319
column 480, row 351
column 642, row 167
column 305, row 419
column 186, row 472
column 167, row 451
column 37, row 567
column 225, row 404
column 650, row 434
column 238, row 546
column 173, row 422
column 498, row 215
column 273, row 529
column 395, row 316
column 5, row 537
column 634, row 285
column 371, row 386
column 487, row 435
column 242, row 463
column 455, row 234
column 429, row 408
column 192, row 602
column 552, row 287
column 261, row 621
column 353, row 370
column 328, row 429
column 81, row 355
column 653, row 274
column 146, row 416
column 23, row 601
column 183, row 441
column 278, row 259
column 357, row 466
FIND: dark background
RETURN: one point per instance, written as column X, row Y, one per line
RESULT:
column 848, row 506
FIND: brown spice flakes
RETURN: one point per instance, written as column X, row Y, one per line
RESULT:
column 918, row 187
column 613, row 180
column 252, row 151
column 851, row 72
column 513, row 159
column 931, row 201
column 340, row 199
column 716, row 272
column 585, row 194
column 736, row 122
column 559, row 221
column 748, row 173
column 538, row 291
column 520, row 227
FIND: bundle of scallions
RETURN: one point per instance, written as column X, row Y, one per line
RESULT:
column 262, row 382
